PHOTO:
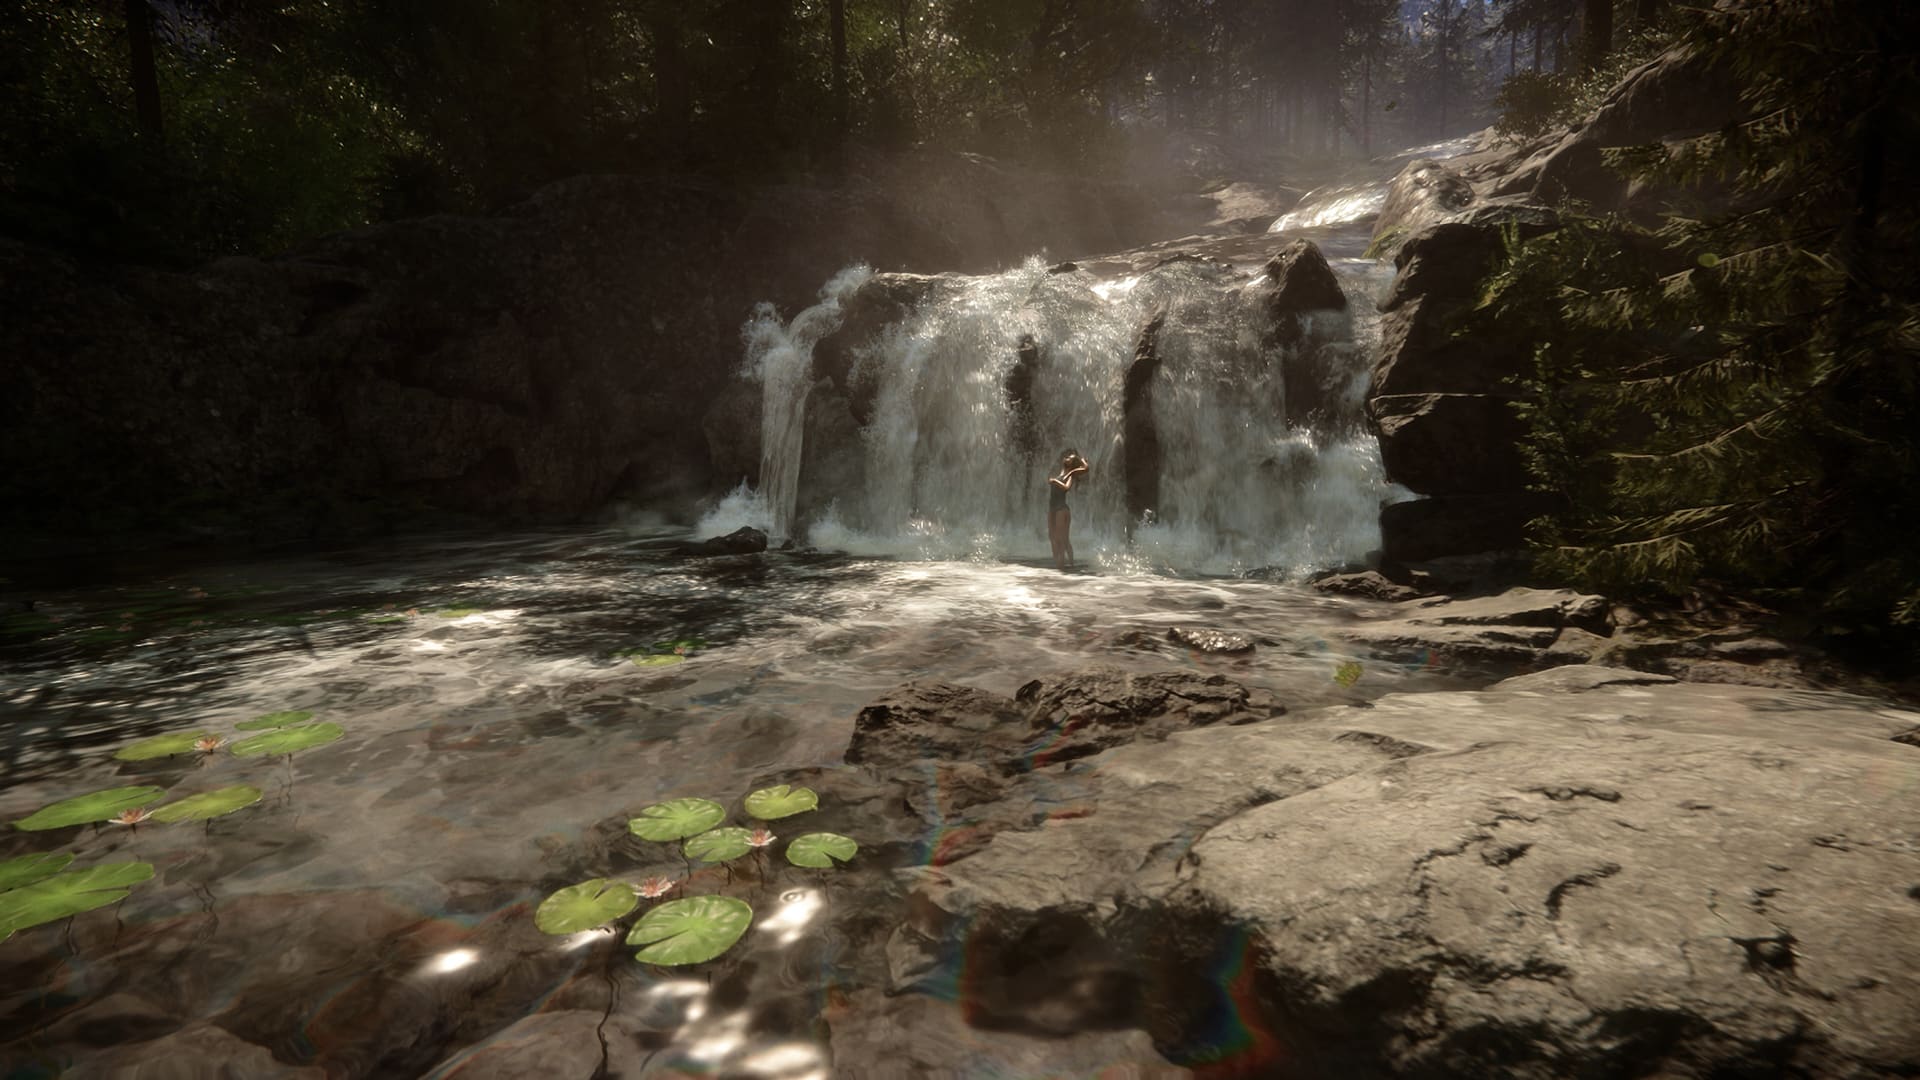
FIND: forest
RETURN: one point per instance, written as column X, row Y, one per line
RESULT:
column 182, row 129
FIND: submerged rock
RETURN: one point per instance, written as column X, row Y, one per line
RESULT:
column 1210, row 641
column 745, row 540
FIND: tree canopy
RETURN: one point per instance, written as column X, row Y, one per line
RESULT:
column 187, row 128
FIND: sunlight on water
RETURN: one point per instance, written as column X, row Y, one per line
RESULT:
column 1332, row 206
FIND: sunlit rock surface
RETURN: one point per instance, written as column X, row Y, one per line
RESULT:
column 1584, row 871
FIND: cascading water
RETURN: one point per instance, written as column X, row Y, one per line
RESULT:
column 952, row 458
column 780, row 357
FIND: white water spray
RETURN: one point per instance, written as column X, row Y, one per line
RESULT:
column 780, row 357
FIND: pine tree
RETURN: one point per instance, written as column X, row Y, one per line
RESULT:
column 1733, row 395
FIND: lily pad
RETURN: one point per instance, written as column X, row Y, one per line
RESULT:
column 680, row 645
column 821, row 849
column 160, row 746
column 771, row 804
column 28, row 869
column 676, row 819
column 457, row 612
column 288, row 740
column 85, row 809
column 68, row 894
column 275, row 720
column 720, row 845
column 585, row 906
column 690, row 931
column 210, row 804
column 658, row 660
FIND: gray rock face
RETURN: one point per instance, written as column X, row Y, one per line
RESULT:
column 1423, row 193
column 1450, row 444
column 1572, row 876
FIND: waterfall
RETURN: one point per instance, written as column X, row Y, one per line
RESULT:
column 963, row 403
column 780, row 357
column 953, row 463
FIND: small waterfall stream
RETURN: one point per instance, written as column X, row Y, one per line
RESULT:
column 964, row 404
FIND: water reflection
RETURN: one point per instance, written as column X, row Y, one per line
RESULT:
column 451, row 961
column 797, row 908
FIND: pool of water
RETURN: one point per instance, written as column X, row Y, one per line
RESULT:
column 369, row 915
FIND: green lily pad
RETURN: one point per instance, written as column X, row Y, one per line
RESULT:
column 160, row 746
column 680, row 645
column 288, row 740
column 770, row 804
column 676, row 819
column 85, row 809
column 275, row 720
column 719, row 845
column 658, row 660
column 821, row 849
column 68, row 894
column 585, row 906
column 690, row 931
column 28, row 869
column 210, row 804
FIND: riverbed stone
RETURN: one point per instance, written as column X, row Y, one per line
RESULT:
column 1210, row 641
column 1556, row 876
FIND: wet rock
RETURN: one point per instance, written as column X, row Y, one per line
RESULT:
column 936, row 720
column 882, row 1038
column 1577, row 678
column 1094, row 710
column 1371, row 584
column 745, row 540
column 1450, row 444
column 1301, row 281
column 1424, row 192
column 1210, row 641
column 883, row 300
column 1140, row 440
column 197, row 1052
column 548, row 1044
column 1521, row 627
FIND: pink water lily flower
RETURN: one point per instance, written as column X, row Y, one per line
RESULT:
column 760, row 838
column 132, row 817
column 656, row 886
column 208, row 744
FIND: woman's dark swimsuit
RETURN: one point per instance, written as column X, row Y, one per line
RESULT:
column 1059, row 497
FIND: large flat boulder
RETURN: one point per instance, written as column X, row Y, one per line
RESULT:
column 1580, row 877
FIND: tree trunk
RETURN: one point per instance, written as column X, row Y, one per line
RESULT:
column 1366, row 103
column 1596, row 33
column 141, row 72
column 671, row 88
column 837, row 33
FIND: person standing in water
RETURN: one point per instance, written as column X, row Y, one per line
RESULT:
column 1059, row 518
